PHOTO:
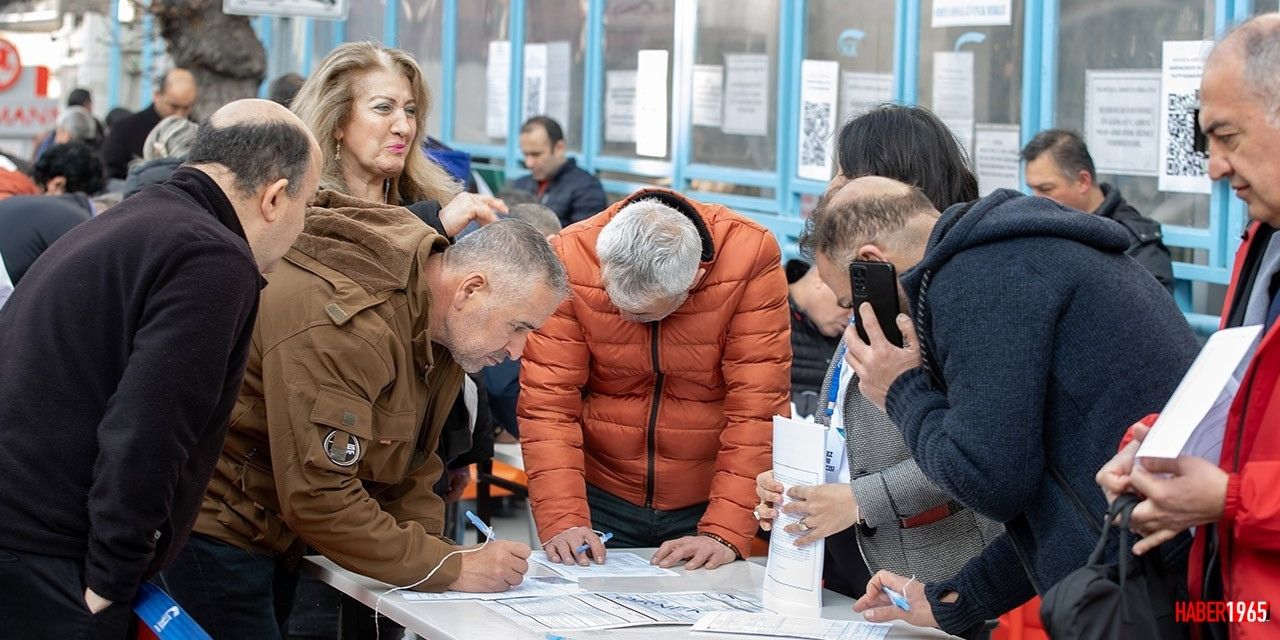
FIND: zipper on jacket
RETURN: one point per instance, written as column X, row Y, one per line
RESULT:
column 653, row 414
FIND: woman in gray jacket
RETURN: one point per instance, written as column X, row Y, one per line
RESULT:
column 887, row 515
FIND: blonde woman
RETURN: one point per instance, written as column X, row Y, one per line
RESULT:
column 367, row 105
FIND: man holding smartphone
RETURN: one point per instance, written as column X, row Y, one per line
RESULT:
column 1033, row 344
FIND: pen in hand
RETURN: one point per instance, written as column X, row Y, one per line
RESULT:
column 587, row 545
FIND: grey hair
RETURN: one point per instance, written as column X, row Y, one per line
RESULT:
column 542, row 218
column 648, row 251
column 78, row 122
column 172, row 138
column 1259, row 40
column 510, row 253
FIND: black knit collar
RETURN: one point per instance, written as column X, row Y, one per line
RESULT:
column 209, row 196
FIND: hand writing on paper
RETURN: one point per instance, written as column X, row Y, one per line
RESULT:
column 824, row 510
column 560, row 548
column 876, row 606
column 880, row 363
column 1193, row 493
column 497, row 567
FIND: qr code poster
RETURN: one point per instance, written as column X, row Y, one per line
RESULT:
column 1182, row 168
column 535, row 80
column 819, row 80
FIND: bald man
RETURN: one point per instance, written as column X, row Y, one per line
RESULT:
column 114, row 404
column 1034, row 343
column 174, row 95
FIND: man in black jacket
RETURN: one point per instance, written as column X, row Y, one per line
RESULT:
column 124, row 350
column 175, row 95
column 554, row 179
column 817, row 322
column 68, row 174
column 1060, row 168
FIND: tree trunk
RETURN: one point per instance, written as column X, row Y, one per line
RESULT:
column 221, row 50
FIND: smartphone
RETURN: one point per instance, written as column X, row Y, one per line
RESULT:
column 877, row 283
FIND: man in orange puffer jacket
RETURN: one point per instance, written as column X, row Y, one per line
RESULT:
column 646, row 400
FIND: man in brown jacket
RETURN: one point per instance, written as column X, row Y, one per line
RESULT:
column 646, row 402
column 358, row 354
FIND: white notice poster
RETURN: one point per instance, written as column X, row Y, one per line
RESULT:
column 953, row 93
column 1122, row 120
column 818, row 90
column 497, row 79
column 972, row 13
column 859, row 92
column 651, row 103
column 620, row 106
column 708, row 90
column 793, row 575
column 996, row 157
column 1181, row 167
column 535, row 81
column 746, row 94
column 559, row 78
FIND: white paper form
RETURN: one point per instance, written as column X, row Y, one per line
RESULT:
column 497, row 78
column 746, row 94
column 859, row 92
column 559, row 90
column 651, row 103
column 708, row 95
column 793, row 575
column 589, row 611
column 1122, row 120
column 1194, row 419
column 617, row 564
column 531, row 586
column 535, row 80
column 997, row 156
column 818, row 99
column 953, row 93
column 972, row 13
column 767, row 624
column 1182, row 168
column 620, row 106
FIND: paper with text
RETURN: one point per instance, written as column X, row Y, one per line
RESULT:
column 1194, row 419
column 793, row 576
column 617, row 564
column 588, row 611
column 767, row 624
column 531, row 586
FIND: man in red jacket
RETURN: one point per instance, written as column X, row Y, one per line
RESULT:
column 1233, row 505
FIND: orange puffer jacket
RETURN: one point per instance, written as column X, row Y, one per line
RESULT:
column 667, row 414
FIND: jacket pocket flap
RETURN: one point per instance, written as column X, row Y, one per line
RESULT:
column 343, row 411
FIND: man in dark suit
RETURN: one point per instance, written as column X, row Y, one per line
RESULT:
column 175, row 95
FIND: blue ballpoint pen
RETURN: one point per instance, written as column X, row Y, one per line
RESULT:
column 586, row 545
column 484, row 528
column 898, row 599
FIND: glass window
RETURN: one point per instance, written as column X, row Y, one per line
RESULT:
column 982, row 88
column 859, row 35
column 1127, row 34
column 322, row 36
column 561, row 23
column 479, row 23
column 419, row 28
column 365, row 20
column 629, row 27
column 731, row 28
column 285, row 55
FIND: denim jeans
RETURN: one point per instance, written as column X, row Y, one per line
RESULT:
column 638, row 526
column 231, row 592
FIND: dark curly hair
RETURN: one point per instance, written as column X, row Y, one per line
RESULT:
column 75, row 161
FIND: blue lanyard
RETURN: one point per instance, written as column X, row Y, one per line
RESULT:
column 833, row 387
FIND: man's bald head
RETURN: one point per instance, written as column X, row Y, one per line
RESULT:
column 866, row 210
column 1254, row 44
column 257, row 141
column 175, row 93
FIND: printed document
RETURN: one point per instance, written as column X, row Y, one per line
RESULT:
column 1195, row 418
column 588, row 611
column 765, row 624
column 617, row 564
column 793, row 578
column 531, row 586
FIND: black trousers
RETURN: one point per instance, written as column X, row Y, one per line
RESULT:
column 43, row 597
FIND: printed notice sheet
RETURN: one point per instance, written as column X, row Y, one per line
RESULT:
column 497, row 79
column 766, row 624
column 1122, row 120
column 996, row 156
column 531, row 586
column 651, row 103
column 589, row 611
column 746, row 94
column 1182, row 168
column 793, row 576
column 860, row 92
column 953, row 93
column 1195, row 418
column 819, row 84
column 708, row 94
column 617, row 564
column 620, row 106
column 972, row 13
